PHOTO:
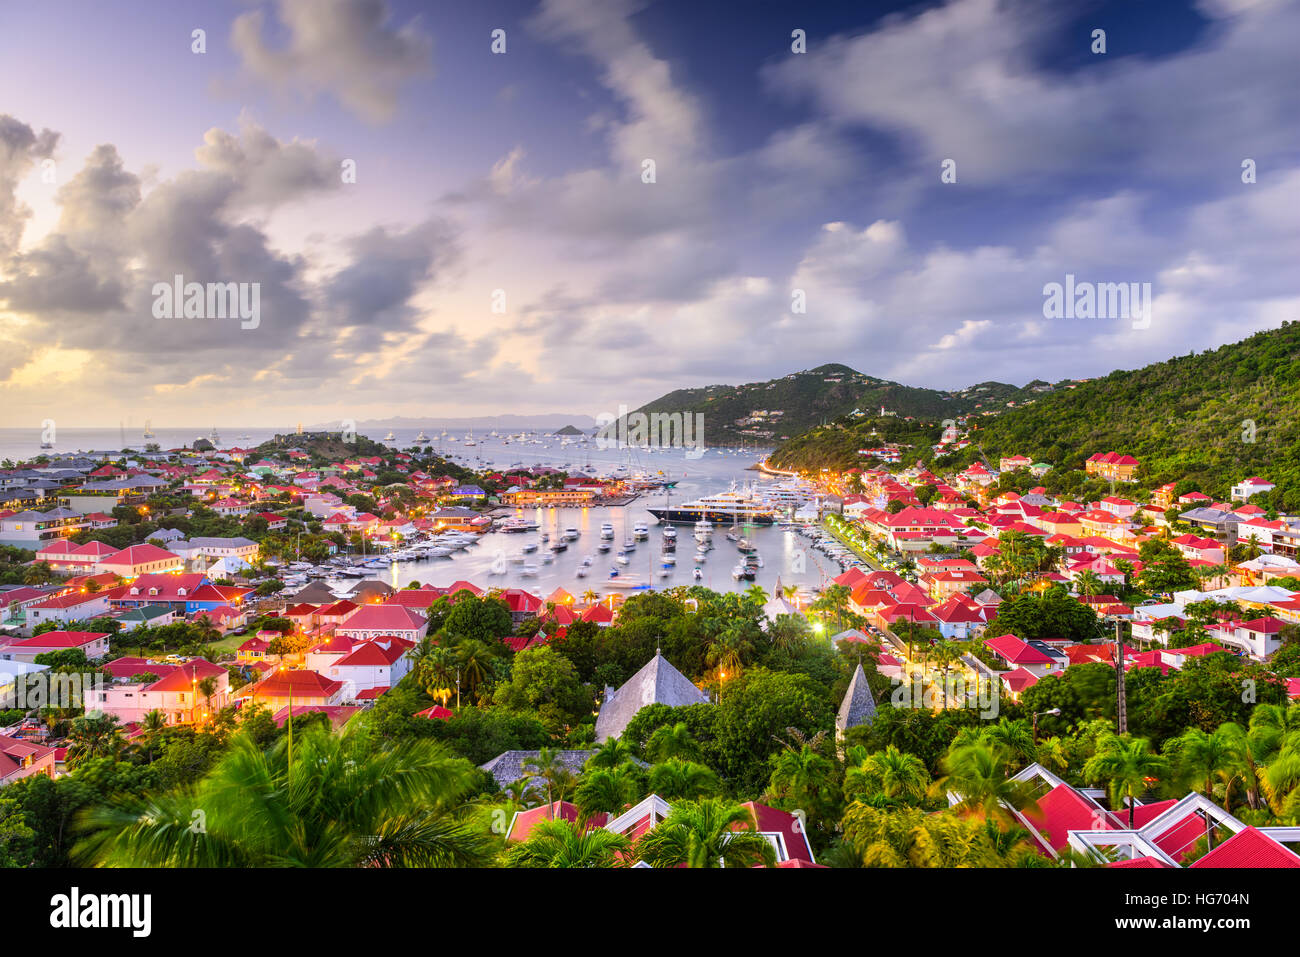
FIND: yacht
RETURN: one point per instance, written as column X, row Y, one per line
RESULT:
column 390, row 437
column 732, row 507
column 742, row 572
column 670, row 534
column 607, row 530
column 422, row 438
column 640, row 531
column 571, row 533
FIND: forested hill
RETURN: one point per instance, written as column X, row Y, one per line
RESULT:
column 801, row 400
column 1210, row 419
column 1213, row 418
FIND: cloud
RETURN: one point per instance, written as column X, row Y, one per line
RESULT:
column 963, row 81
column 347, row 49
column 20, row 148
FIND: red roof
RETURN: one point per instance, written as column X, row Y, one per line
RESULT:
column 383, row 618
column 1249, row 848
column 59, row 639
column 1062, row 810
column 299, row 684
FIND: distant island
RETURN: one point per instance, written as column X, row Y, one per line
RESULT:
column 569, row 430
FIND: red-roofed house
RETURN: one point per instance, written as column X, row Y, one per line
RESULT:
column 376, row 621
column 380, row 663
column 285, row 688
column 23, row 759
column 140, row 560
column 176, row 693
column 93, row 644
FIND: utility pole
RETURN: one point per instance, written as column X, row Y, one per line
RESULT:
column 1121, row 706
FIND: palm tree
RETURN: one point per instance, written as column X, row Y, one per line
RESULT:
column 673, row 741
column 93, row 738
column 712, row 832
column 608, row 790
column 678, row 780
column 1088, row 583
column 475, row 659
column 568, row 844
column 550, row 768
column 344, row 802
column 891, row 773
column 207, row 687
column 151, row 726
column 977, row 773
column 802, row 777
column 1128, row 766
column 611, row 754
column 1016, row 737
column 590, row 596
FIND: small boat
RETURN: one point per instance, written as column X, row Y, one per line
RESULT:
column 628, row 544
column 701, row 555
column 559, row 546
column 622, row 558
column 586, row 562
column 603, row 547
column 640, row 531
column 699, row 574
column 581, row 573
column 530, row 547
column 670, row 534
column 571, row 533
column 607, row 530
column 742, row 572
column 668, row 561
column 528, row 571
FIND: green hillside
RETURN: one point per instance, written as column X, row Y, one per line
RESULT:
column 1190, row 418
column 807, row 399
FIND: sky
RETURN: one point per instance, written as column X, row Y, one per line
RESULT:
column 500, row 250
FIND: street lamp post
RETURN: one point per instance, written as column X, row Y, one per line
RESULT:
column 1036, row 714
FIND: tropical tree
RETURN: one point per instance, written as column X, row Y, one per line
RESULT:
column 678, row 780
column 551, row 769
column 611, row 754
column 345, row 801
column 977, row 774
column 890, row 773
column 608, row 790
column 673, row 741
column 1128, row 766
column 95, row 737
column 558, row 843
column 712, row 832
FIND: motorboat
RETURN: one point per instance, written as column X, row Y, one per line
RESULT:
column 640, row 531
column 699, row 574
column 607, row 530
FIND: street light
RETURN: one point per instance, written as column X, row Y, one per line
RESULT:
column 1036, row 714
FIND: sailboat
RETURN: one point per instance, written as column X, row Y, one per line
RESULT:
column 214, row 438
column 148, row 432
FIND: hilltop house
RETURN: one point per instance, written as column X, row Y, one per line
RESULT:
column 1112, row 465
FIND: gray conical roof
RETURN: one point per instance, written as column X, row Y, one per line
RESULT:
column 859, row 705
column 657, row 683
